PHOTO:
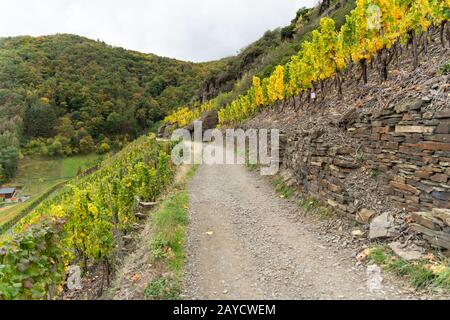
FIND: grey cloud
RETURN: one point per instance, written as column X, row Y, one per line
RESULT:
column 197, row 30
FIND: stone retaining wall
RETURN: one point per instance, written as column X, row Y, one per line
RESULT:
column 407, row 145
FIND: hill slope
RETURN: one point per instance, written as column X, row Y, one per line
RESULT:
column 273, row 48
column 68, row 93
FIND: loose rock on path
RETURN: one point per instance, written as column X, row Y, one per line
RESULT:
column 244, row 242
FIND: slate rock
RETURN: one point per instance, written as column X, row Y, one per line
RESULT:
column 409, row 253
column 74, row 278
column 364, row 215
column 382, row 226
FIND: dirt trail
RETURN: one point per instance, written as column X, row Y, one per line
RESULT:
column 245, row 242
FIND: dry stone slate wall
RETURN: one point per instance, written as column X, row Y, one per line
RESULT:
column 406, row 144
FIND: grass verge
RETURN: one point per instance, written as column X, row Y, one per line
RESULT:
column 309, row 204
column 167, row 242
column 282, row 189
column 431, row 272
column 251, row 166
column 312, row 205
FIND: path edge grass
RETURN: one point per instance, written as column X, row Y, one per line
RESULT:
column 430, row 273
column 167, row 244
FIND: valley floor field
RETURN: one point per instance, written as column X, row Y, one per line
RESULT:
column 36, row 176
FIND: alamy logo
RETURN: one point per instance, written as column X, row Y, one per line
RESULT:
column 229, row 147
column 373, row 17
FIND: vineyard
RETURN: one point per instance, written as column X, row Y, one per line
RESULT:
column 133, row 227
column 85, row 224
column 375, row 32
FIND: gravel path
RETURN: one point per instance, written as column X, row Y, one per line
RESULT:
column 244, row 242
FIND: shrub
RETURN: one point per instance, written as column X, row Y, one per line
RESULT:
column 445, row 68
column 30, row 265
column 103, row 148
column 419, row 273
column 87, row 144
column 163, row 289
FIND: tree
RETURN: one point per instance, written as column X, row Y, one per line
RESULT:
column 2, row 175
column 9, row 158
column 113, row 122
column 386, row 17
column 103, row 148
column 156, row 86
column 55, row 148
column 306, row 65
column 440, row 15
column 87, row 144
column 65, row 128
column 40, row 119
column 36, row 147
column 360, row 51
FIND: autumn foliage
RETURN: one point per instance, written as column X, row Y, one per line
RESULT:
column 374, row 29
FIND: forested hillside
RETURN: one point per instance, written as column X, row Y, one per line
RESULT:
column 65, row 94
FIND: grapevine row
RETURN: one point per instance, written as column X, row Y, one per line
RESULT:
column 84, row 224
column 374, row 29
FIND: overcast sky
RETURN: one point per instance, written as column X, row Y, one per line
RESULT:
column 196, row 30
